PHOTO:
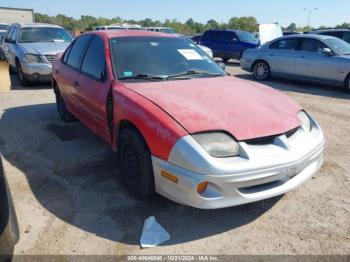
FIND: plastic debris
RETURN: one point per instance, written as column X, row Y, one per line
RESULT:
column 153, row 234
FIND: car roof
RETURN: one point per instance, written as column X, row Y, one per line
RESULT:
column 133, row 33
column 39, row 25
column 311, row 36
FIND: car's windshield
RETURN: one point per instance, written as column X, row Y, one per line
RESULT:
column 247, row 37
column 44, row 34
column 161, row 57
column 338, row 45
column 4, row 27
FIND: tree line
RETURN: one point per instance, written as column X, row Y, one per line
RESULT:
column 190, row 27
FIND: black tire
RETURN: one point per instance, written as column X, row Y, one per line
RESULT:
column 63, row 112
column 261, row 71
column 11, row 71
column 21, row 77
column 135, row 163
column 347, row 84
column 225, row 59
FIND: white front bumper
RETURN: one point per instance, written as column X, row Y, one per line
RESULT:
column 267, row 171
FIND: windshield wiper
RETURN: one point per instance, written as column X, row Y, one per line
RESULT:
column 193, row 73
column 144, row 76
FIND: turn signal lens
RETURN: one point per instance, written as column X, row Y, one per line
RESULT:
column 202, row 187
column 169, row 176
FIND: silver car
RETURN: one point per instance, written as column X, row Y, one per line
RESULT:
column 317, row 58
column 30, row 50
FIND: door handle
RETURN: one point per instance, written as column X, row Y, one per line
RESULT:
column 57, row 71
column 272, row 55
column 302, row 56
column 76, row 84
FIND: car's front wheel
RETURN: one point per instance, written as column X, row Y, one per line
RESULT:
column 135, row 163
column 63, row 112
column 347, row 84
column 20, row 75
column 261, row 71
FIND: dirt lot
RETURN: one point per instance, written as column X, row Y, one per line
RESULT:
column 70, row 200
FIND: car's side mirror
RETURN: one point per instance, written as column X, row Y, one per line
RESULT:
column 222, row 65
column 326, row 51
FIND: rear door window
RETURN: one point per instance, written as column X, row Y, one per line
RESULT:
column 285, row 44
column 77, row 51
column 95, row 59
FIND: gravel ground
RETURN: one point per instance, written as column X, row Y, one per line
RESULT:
column 70, row 201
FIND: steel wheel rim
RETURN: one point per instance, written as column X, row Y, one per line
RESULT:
column 261, row 70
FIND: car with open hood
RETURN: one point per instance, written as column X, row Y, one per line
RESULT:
column 181, row 126
column 30, row 50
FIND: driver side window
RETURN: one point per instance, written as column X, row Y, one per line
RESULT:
column 312, row 45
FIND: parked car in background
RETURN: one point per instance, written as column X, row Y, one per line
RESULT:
column 204, row 48
column 196, row 38
column 343, row 34
column 30, row 50
column 161, row 29
column 119, row 27
column 9, row 233
column 228, row 44
column 285, row 33
column 324, row 59
column 183, row 127
column 3, row 30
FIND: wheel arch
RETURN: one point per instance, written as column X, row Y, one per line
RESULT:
column 124, row 124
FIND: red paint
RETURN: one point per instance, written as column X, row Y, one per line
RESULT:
column 163, row 112
column 243, row 108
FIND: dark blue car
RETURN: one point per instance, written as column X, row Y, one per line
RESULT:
column 227, row 44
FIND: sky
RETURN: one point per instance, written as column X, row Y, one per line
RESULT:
column 284, row 12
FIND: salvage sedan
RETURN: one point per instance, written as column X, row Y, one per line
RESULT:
column 182, row 127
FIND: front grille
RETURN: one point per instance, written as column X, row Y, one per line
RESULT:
column 51, row 58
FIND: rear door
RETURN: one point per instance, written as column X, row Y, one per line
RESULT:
column 312, row 64
column 94, row 88
column 68, row 75
column 282, row 56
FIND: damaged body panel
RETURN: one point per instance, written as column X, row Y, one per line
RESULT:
column 182, row 127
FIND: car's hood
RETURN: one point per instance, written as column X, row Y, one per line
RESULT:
column 269, row 32
column 245, row 109
column 45, row 48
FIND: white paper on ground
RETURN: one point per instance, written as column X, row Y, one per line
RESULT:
column 190, row 54
column 153, row 234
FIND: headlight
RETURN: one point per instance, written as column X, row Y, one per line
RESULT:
column 305, row 120
column 217, row 144
column 32, row 59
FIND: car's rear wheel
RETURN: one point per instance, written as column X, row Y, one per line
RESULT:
column 225, row 59
column 261, row 71
column 135, row 163
column 20, row 75
column 63, row 112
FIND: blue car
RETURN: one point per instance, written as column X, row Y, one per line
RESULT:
column 228, row 44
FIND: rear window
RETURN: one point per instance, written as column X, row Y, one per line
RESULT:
column 285, row 44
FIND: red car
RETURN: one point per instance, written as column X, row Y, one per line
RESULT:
column 182, row 126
